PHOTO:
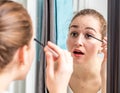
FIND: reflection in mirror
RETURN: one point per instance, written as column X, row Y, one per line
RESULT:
column 89, row 68
column 89, row 54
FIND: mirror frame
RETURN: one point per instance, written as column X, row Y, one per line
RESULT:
column 113, row 64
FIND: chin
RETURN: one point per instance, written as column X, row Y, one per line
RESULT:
column 77, row 61
column 21, row 77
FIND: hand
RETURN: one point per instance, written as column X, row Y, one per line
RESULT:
column 104, row 66
column 58, row 70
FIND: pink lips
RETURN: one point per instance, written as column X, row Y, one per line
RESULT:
column 78, row 53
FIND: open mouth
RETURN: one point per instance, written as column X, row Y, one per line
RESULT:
column 78, row 52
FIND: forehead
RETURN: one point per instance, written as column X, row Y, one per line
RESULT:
column 86, row 21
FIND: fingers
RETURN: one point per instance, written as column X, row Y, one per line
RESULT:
column 65, row 61
column 54, row 48
column 104, row 62
column 104, row 50
column 104, row 45
column 105, row 41
column 50, row 64
column 69, row 58
column 63, row 57
column 59, row 70
column 50, row 50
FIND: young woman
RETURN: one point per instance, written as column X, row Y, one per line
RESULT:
column 16, row 50
column 86, row 41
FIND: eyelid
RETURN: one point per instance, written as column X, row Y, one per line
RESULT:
column 95, row 38
column 73, row 31
column 90, row 34
column 91, row 29
column 74, row 34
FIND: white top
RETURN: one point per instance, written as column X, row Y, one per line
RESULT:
column 69, row 90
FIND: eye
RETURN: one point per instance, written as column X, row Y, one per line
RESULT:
column 88, row 36
column 74, row 34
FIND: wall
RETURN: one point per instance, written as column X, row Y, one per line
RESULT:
column 99, row 5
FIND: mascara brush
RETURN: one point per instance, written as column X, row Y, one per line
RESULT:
column 54, row 53
column 39, row 42
column 95, row 38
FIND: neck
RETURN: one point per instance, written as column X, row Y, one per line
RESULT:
column 5, row 80
column 87, row 77
column 87, row 69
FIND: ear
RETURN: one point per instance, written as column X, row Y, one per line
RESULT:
column 104, row 44
column 22, row 56
column 100, row 49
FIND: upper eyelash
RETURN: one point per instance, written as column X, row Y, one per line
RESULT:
column 90, row 35
column 74, row 32
column 95, row 38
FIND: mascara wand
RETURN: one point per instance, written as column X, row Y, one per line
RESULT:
column 54, row 53
column 95, row 38
column 39, row 42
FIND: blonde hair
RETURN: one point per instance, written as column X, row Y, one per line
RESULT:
column 15, row 30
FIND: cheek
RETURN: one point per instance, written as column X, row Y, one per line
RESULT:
column 69, row 44
column 92, row 48
column 32, row 54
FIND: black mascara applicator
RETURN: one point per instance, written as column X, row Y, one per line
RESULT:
column 95, row 38
column 54, row 53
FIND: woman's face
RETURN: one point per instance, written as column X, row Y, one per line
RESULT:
column 83, row 47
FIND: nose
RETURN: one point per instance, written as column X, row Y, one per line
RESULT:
column 79, row 41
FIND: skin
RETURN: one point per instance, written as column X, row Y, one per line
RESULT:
column 16, row 32
column 18, row 68
column 57, row 75
column 89, row 69
column 59, row 69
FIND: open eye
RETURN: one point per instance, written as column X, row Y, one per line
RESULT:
column 88, row 36
column 74, row 34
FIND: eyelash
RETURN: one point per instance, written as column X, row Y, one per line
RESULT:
column 75, row 34
column 88, row 35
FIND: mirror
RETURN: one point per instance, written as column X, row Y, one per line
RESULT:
column 62, row 16
column 100, row 6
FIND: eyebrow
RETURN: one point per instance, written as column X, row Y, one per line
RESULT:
column 76, row 26
column 90, row 28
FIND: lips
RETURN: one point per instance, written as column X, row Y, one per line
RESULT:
column 78, row 52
